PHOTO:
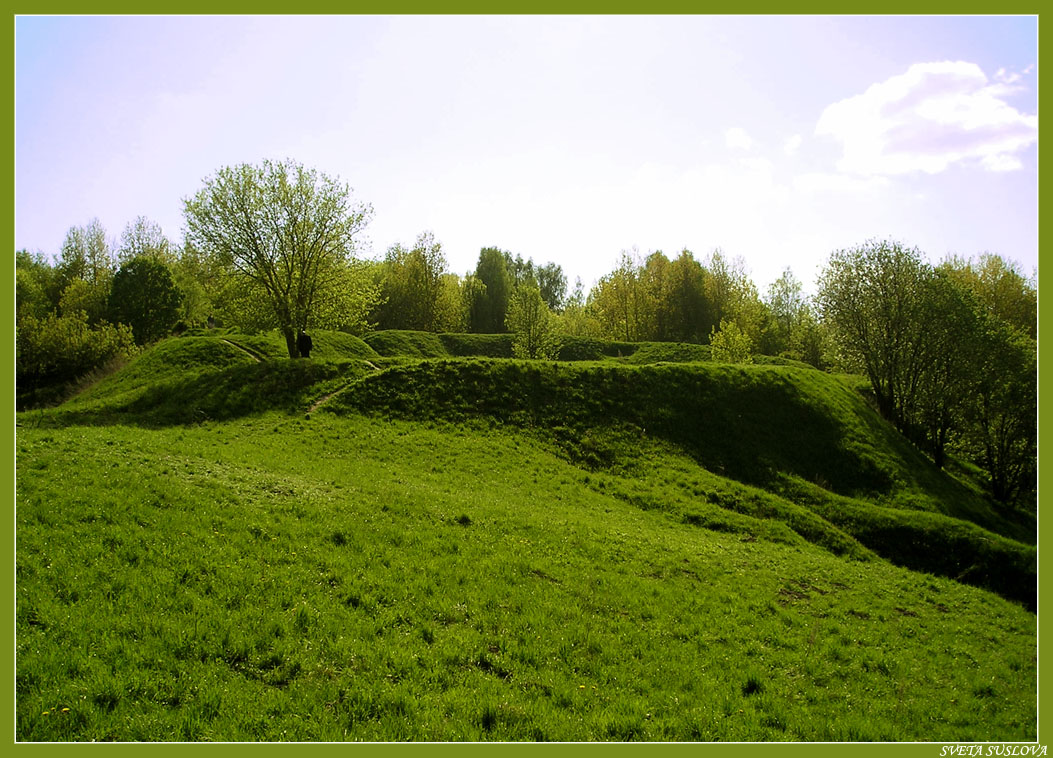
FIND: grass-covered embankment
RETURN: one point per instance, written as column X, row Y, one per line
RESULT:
column 490, row 549
column 276, row 578
column 785, row 430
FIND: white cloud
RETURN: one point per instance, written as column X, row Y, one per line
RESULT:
column 933, row 116
column 792, row 145
column 737, row 138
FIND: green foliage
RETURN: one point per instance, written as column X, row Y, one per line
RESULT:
column 57, row 350
column 872, row 296
column 283, row 237
column 532, row 325
column 928, row 342
column 619, row 300
column 552, row 284
column 86, row 255
column 691, row 316
column 85, row 297
column 143, row 238
column 488, row 299
column 36, row 285
column 1000, row 285
column 730, row 344
column 144, row 297
column 415, row 291
column 1001, row 430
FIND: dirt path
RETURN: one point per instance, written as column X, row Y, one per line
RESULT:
column 259, row 358
column 338, row 390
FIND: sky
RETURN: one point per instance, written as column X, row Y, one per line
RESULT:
column 568, row 139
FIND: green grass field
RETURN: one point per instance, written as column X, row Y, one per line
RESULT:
column 466, row 548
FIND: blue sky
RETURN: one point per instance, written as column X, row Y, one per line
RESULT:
column 566, row 139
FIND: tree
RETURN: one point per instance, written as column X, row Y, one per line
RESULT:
column 952, row 325
column 786, row 305
column 1001, row 429
column 145, row 297
column 86, row 255
column 284, row 236
column 577, row 318
column 144, row 239
column 658, row 316
column 489, row 306
column 36, row 285
column 85, row 265
column 731, row 344
column 531, row 323
column 1001, row 287
column 81, row 296
column 872, row 298
column 55, row 350
column 412, row 286
column 618, row 299
column 691, row 313
column 552, row 283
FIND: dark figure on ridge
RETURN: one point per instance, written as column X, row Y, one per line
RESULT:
column 304, row 344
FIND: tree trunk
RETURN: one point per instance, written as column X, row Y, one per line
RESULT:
column 290, row 342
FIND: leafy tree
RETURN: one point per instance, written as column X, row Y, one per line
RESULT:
column 197, row 281
column 619, row 299
column 811, row 342
column 86, row 257
column 1001, row 287
column 786, row 305
column 520, row 271
column 473, row 296
column 657, row 304
column 450, row 314
column 79, row 295
column 412, row 286
column 872, row 297
column 283, row 237
column 731, row 344
column 1001, row 430
column 489, row 305
column 36, row 285
column 577, row 319
column 144, row 239
column 56, row 350
column 690, row 311
column 145, row 297
column 552, row 283
column 532, row 324
column 952, row 329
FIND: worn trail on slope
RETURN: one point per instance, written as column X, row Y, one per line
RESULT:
column 338, row 390
column 259, row 358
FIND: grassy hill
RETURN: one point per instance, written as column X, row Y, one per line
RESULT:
column 480, row 548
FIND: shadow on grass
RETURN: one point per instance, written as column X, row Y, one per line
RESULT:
column 221, row 395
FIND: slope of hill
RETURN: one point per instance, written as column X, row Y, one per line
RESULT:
column 470, row 549
column 797, row 433
column 276, row 578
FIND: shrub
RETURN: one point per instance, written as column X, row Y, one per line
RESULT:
column 57, row 350
column 730, row 344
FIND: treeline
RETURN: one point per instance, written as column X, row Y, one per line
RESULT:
column 949, row 349
column 644, row 299
column 98, row 303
